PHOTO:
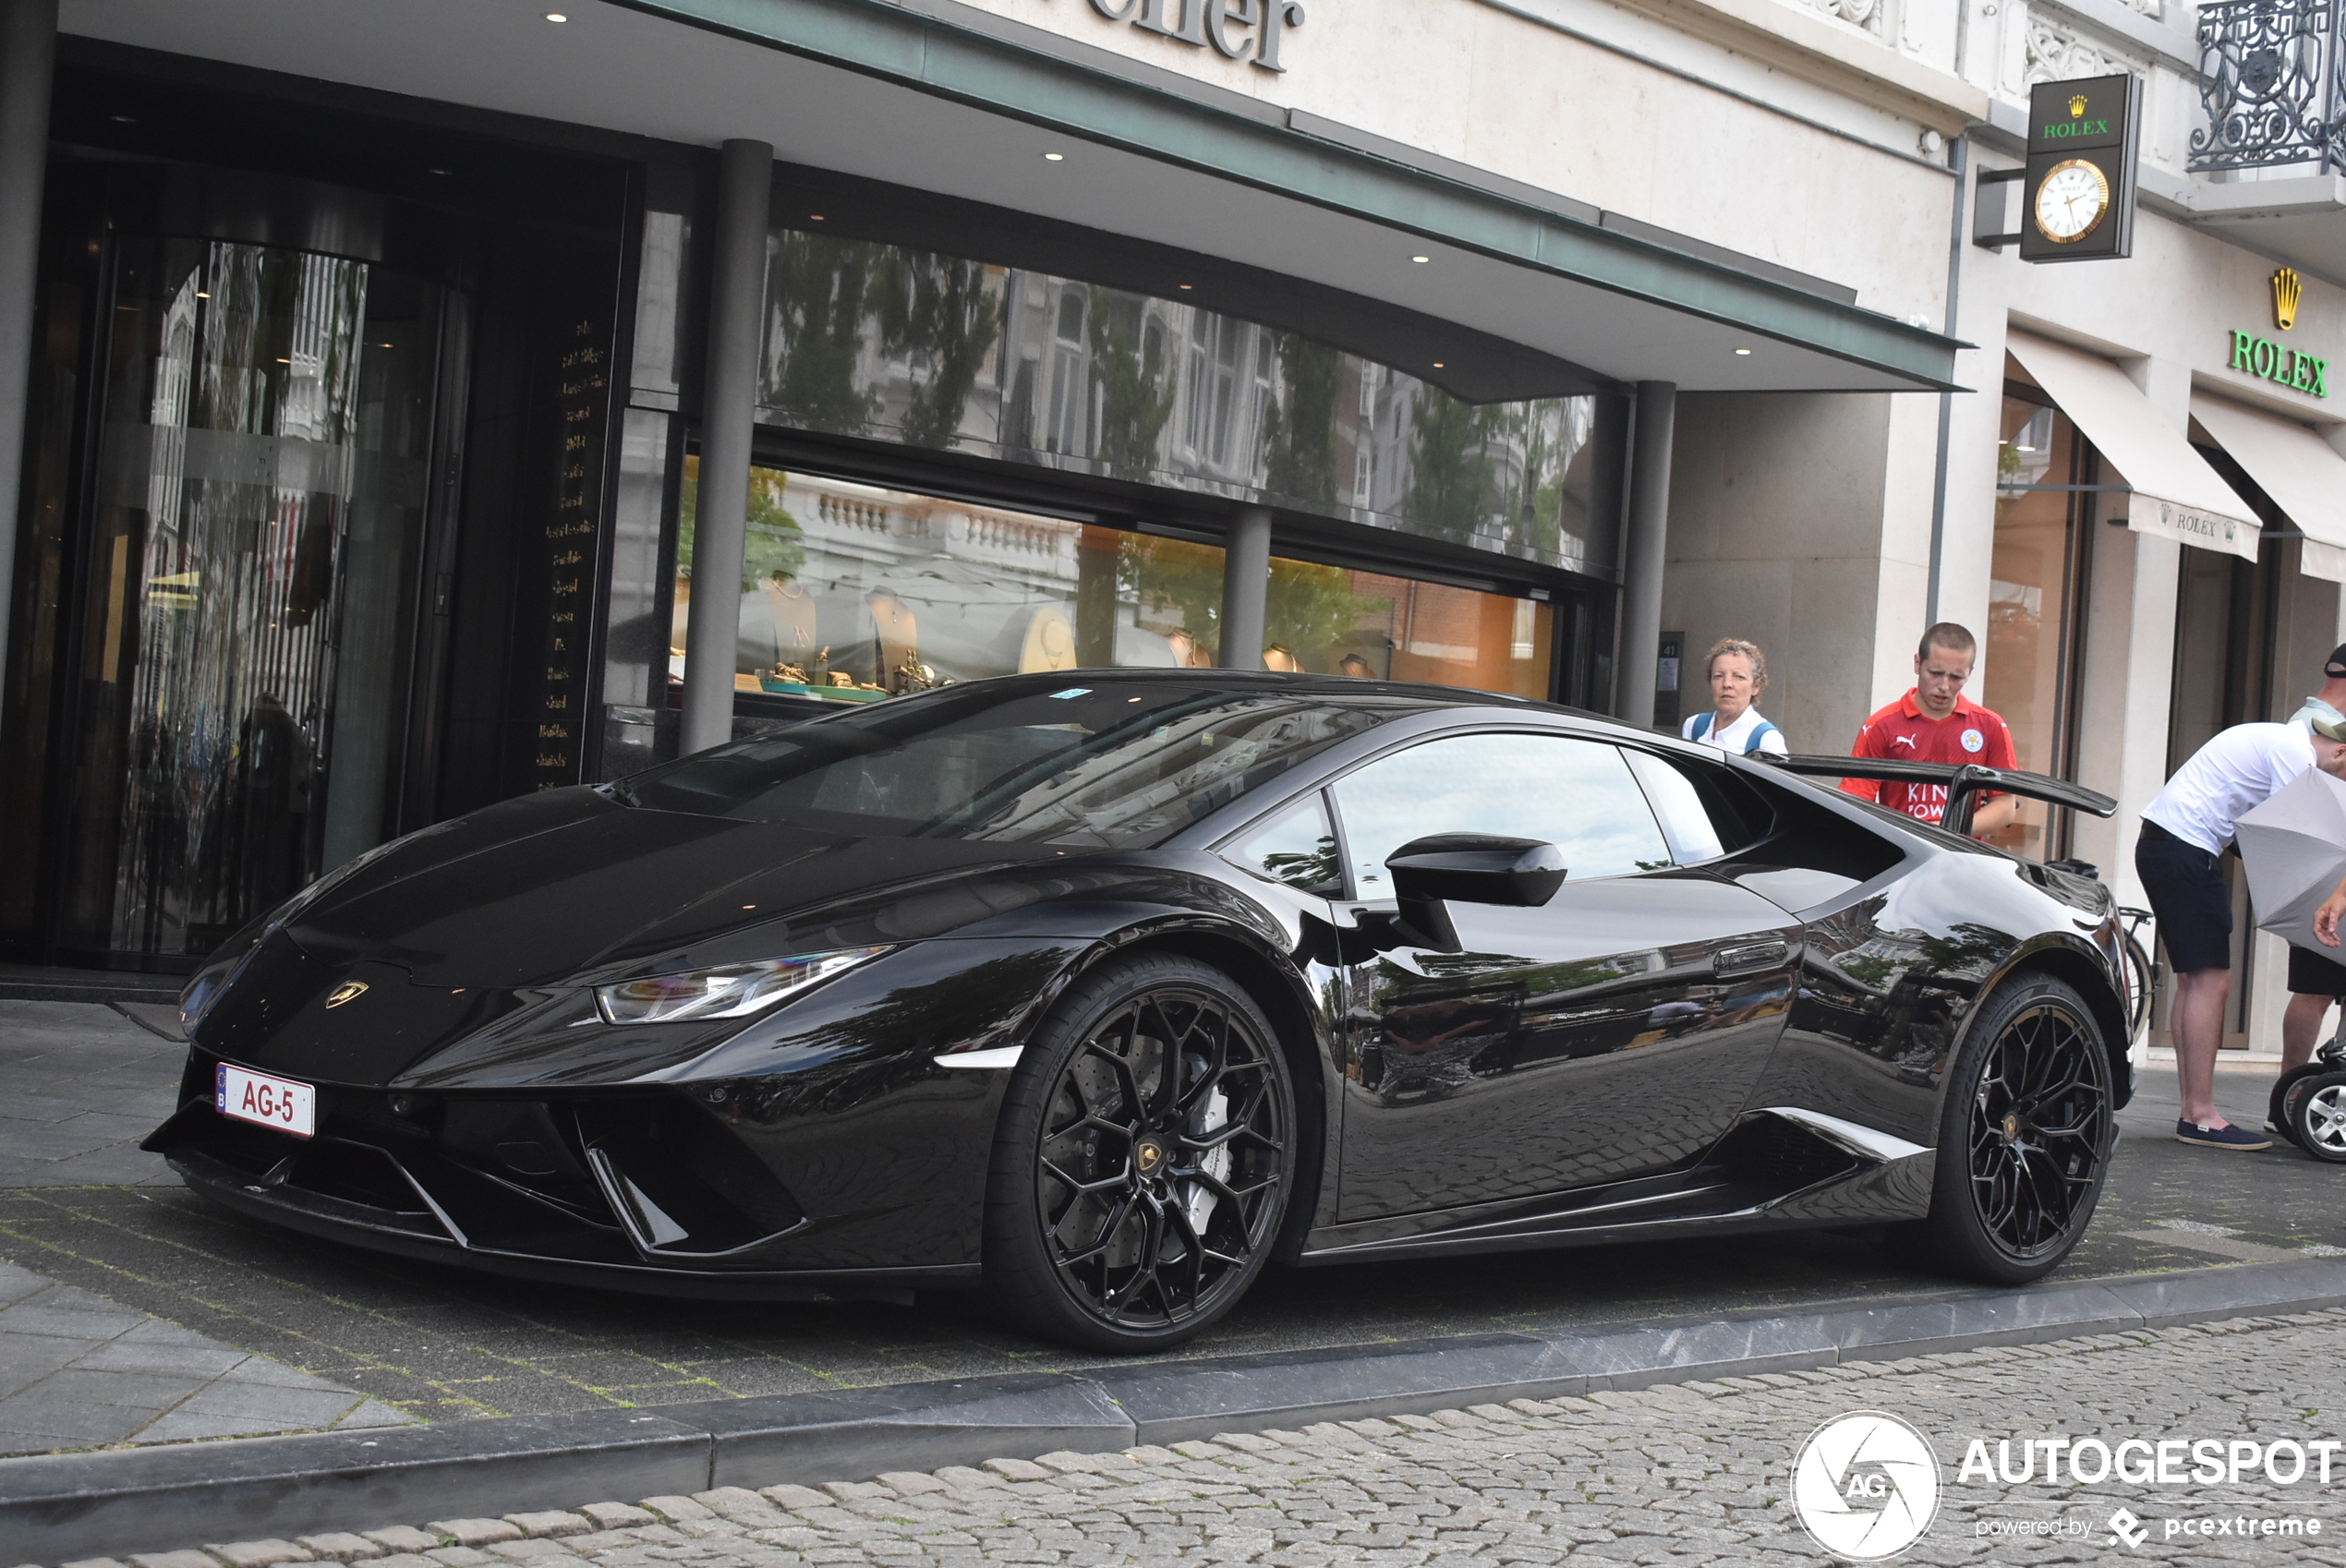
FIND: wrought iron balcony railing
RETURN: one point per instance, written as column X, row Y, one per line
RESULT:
column 2273, row 80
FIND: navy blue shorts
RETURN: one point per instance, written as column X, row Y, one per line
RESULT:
column 2315, row 974
column 2185, row 886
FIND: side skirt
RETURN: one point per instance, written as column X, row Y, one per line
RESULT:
column 1779, row 1168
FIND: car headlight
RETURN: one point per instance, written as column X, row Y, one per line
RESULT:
column 729, row 992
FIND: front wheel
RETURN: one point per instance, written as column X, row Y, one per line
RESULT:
column 1144, row 1158
column 2314, row 1110
column 2023, row 1139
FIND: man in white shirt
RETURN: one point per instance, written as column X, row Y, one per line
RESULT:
column 2314, row 980
column 2184, row 833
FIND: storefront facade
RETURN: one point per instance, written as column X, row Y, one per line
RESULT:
column 378, row 362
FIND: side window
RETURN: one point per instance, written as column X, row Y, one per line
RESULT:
column 1578, row 795
column 1297, row 847
column 1694, row 838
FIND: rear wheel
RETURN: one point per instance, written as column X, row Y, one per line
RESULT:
column 2023, row 1139
column 1144, row 1158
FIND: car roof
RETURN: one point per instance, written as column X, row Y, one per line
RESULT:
column 1337, row 688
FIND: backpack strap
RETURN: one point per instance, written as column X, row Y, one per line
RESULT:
column 1752, row 746
column 1701, row 725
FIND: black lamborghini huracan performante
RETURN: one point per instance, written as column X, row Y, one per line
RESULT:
column 1101, row 990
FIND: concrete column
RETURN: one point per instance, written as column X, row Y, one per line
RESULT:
column 729, row 405
column 27, row 57
column 1648, row 551
column 1246, row 582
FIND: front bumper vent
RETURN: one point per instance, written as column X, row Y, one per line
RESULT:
column 631, row 1178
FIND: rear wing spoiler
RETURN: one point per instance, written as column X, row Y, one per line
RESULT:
column 1965, row 783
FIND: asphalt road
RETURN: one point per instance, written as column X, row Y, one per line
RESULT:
column 443, row 1344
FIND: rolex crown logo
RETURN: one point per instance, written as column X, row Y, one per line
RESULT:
column 2286, row 288
column 2077, row 107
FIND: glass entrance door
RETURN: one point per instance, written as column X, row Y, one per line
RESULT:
column 248, row 626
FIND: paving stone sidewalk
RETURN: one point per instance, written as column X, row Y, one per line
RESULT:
column 1694, row 1473
column 80, row 1371
column 82, row 1085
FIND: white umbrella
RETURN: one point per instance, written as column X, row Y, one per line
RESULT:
column 2295, row 848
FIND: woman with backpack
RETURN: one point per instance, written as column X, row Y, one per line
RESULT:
column 1738, row 673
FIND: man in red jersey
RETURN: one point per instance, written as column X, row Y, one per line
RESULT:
column 1935, row 722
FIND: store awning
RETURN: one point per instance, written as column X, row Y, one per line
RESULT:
column 2302, row 473
column 2177, row 496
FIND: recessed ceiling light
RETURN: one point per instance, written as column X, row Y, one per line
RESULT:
column 435, row 171
column 556, row 16
column 1743, row 351
column 1420, row 259
column 126, row 119
column 1438, row 365
column 386, row 345
column 814, row 217
column 1186, row 286
column 1054, row 157
column 202, row 295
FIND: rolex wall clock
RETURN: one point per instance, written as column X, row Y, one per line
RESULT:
column 2072, row 200
column 2079, row 198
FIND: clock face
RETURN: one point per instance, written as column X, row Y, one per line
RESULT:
column 2072, row 202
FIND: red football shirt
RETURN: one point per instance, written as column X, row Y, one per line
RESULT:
column 1971, row 733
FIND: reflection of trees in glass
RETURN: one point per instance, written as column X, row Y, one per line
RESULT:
column 1177, row 576
column 1299, row 435
column 816, row 293
column 1136, row 389
column 1309, row 607
column 1451, row 474
column 938, row 308
column 775, row 547
column 1313, row 873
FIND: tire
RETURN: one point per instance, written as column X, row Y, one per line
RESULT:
column 2314, row 1113
column 1128, row 1208
column 2277, row 1107
column 2142, row 979
column 2023, row 1139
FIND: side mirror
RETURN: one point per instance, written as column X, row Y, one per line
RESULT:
column 1475, row 868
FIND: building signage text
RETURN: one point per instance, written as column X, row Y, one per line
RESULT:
column 1224, row 24
column 2268, row 360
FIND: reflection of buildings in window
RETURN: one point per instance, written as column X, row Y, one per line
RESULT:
column 854, row 591
column 2027, row 654
column 1035, row 367
column 1071, row 379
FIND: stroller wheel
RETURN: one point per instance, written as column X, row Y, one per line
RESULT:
column 2277, row 1110
column 2315, row 1112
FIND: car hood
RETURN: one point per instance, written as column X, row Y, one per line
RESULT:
column 570, row 884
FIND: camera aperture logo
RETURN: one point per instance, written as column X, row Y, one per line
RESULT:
column 1865, row 1486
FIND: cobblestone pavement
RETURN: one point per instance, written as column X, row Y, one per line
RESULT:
column 1694, row 1473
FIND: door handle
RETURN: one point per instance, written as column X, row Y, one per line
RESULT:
column 1744, row 956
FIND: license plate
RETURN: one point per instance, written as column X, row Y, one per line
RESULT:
column 271, row 1101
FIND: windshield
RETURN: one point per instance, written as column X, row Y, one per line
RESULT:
column 1116, row 764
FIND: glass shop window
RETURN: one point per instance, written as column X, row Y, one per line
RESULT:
column 1329, row 620
column 2033, row 641
column 854, row 592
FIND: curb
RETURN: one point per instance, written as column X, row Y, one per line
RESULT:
column 56, row 1508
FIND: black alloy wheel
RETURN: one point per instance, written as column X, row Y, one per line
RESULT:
column 1144, row 1159
column 2024, row 1137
